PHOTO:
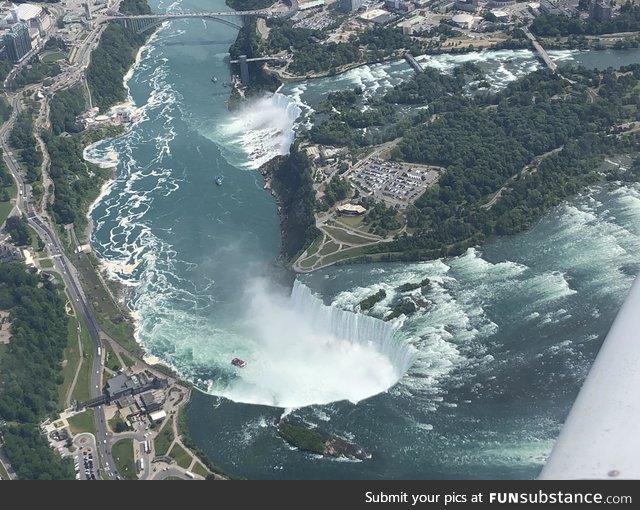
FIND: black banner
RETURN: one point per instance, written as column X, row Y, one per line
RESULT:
column 338, row 495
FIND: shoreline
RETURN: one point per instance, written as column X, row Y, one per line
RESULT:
column 123, row 290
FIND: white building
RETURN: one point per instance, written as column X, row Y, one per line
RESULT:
column 32, row 15
column 303, row 5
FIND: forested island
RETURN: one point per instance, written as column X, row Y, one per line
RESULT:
column 320, row 443
column 509, row 156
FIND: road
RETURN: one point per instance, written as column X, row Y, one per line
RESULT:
column 24, row 204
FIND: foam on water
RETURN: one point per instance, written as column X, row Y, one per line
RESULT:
column 323, row 355
column 261, row 128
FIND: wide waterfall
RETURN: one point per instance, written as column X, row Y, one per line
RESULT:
column 355, row 328
column 303, row 352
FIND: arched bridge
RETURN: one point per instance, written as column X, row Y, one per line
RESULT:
column 141, row 22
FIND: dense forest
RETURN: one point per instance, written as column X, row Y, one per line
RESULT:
column 487, row 147
column 18, row 228
column 30, row 371
column 292, row 183
column 342, row 119
column 245, row 5
column 6, row 180
column 372, row 45
column 550, row 25
column 509, row 156
column 65, row 106
column 76, row 182
column 35, row 71
column 113, row 57
column 21, row 138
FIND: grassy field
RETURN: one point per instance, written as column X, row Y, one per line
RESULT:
column 81, row 390
column 164, row 439
column 46, row 263
column 345, row 254
column 53, row 57
column 315, row 245
column 107, row 312
column 82, row 422
column 308, row 263
column 127, row 360
column 328, row 248
column 346, row 237
column 199, row 469
column 180, row 454
column 5, row 207
column 122, row 453
column 117, row 419
column 72, row 356
column 350, row 221
column 110, row 358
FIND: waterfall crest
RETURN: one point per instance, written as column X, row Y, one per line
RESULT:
column 303, row 352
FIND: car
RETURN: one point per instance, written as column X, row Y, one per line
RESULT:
column 104, row 441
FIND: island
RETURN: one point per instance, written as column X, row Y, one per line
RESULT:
column 320, row 443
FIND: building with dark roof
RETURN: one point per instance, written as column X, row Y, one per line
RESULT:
column 17, row 42
column 350, row 5
column 152, row 400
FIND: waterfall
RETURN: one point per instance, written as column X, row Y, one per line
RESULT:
column 352, row 327
column 262, row 128
column 301, row 352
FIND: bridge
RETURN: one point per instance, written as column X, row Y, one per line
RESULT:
column 258, row 59
column 542, row 53
column 141, row 22
column 413, row 63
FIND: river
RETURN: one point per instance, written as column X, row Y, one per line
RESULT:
column 477, row 386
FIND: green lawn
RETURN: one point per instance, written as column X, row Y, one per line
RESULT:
column 53, row 57
column 82, row 422
column 122, row 453
column 46, row 263
column 164, row 439
column 199, row 469
column 106, row 311
column 72, row 355
column 328, row 248
column 350, row 221
column 127, row 360
column 118, row 424
column 346, row 237
column 81, row 390
column 181, row 455
column 344, row 254
column 5, row 207
column 315, row 245
column 111, row 360
column 309, row 262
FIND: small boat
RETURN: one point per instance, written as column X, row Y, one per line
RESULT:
column 214, row 79
column 239, row 362
column 219, row 180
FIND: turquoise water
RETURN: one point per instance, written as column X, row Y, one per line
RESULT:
column 475, row 385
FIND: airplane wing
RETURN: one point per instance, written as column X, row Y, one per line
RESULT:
column 600, row 438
